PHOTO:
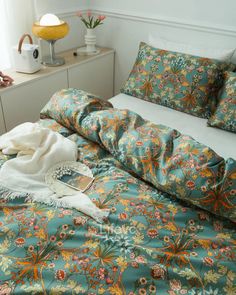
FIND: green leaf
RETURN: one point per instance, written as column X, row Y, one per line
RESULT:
column 188, row 274
column 211, row 277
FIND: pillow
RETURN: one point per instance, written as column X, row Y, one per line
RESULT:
column 215, row 53
column 225, row 114
column 180, row 81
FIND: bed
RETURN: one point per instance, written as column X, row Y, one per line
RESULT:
column 222, row 142
column 152, row 242
column 172, row 203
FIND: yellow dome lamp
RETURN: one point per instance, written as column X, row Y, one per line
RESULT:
column 51, row 28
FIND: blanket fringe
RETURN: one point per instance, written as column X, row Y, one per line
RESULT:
column 11, row 195
column 7, row 194
column 52, row 201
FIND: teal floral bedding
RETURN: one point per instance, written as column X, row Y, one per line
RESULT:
column 171, row 229
column 225, row 114
column 179, row 81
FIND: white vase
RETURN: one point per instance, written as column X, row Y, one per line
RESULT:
column 90, row 40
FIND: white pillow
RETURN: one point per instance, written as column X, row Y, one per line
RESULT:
column 215, row 53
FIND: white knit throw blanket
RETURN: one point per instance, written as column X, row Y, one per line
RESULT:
column 38, row 149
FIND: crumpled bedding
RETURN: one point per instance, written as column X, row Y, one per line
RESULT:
column 172, row 162
column 35, row 150
column 172, row 203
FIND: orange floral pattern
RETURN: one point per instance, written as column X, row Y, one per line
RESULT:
column 152, row 242
column 180, row 81
column 225, row 114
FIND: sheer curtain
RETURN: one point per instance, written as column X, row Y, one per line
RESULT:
column 16, row 18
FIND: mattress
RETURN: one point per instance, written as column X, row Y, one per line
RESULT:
column 221, row 141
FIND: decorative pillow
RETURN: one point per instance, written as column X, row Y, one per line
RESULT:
column 180, row 81
column 225, row 114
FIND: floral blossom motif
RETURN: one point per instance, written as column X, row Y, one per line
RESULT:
column 5, row 289
column 175, row 285
column 208, row 261
column 158, row 272
column 152, row 233
column 153, row 242
column 60, row 275
column 20, row 242
column 91, row 22
column 180, row 81
column 79, row 221
column 224, row 116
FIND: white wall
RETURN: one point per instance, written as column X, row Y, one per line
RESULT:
column 215, row 12
column 59, row 6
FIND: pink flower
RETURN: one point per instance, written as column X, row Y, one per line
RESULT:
column 175, row 285
column 5, row 289
column 53, row 238
column 62, row 235
column 89, row 13
column 101, row 17
column 208, row 261
column 132, row 255
column 67, row 212
column 140, row 259
column 65, row 226
column 158, row 215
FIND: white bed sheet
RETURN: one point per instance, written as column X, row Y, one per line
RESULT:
column 222, row 142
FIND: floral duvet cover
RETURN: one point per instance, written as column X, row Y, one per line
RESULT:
column 171, row 229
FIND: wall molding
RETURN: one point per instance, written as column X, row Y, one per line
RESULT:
column 66, row 14
column 167, row 21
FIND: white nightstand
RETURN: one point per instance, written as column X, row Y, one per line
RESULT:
column 23, row 101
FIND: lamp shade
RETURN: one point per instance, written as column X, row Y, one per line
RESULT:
column 50, row 29
column 53, row 32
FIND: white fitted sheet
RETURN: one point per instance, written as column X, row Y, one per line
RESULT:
column 222, row 142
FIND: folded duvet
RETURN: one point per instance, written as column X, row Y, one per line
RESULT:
column 38, row 149
column 171, row 202
column 170, row 161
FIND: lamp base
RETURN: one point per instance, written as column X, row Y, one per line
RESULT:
column 53, row 62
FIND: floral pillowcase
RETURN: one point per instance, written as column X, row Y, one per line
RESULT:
column 225, row 114
column 180, row 81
